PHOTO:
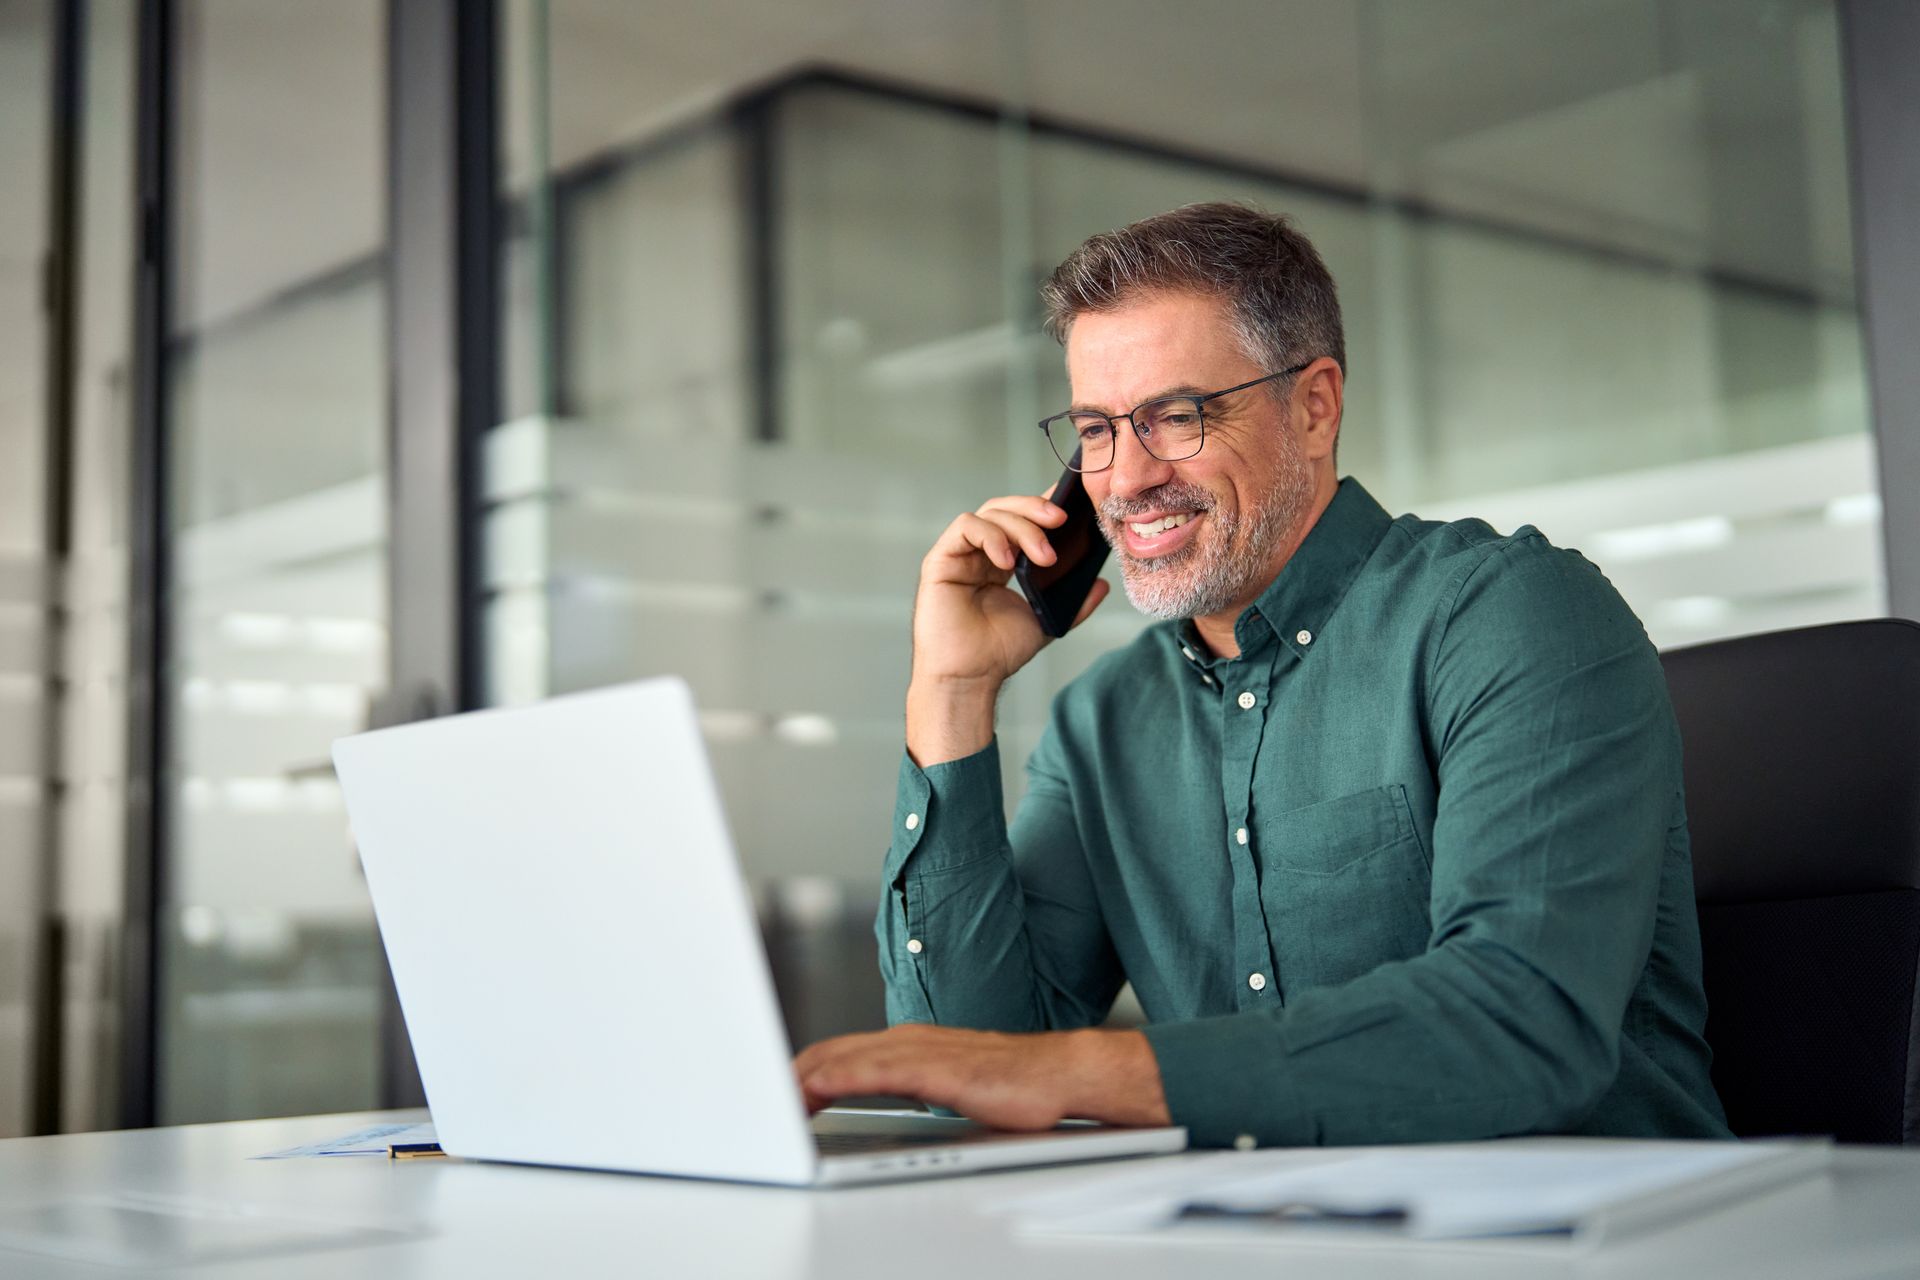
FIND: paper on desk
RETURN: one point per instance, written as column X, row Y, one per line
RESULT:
column 361, row 1142
column 1444, row 1192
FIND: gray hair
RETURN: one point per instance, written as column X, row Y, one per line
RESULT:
column 1280, row 296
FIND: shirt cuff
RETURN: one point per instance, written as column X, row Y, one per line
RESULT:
column 1227, row 1080
column 953, row 808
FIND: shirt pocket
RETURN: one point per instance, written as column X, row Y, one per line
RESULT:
column 1346, row 887
column 1327, row 837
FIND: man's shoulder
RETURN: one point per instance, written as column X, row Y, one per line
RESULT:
column 1516, row 588
column 1455, row 548
column 1468, row 559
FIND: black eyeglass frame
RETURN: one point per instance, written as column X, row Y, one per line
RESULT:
column 1199, row 404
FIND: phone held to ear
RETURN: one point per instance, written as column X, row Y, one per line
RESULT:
column 1056, row 591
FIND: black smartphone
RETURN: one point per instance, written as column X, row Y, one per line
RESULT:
column 1056, row 591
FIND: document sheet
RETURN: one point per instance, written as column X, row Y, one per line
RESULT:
column 372, row 1141
column 1456, row 1191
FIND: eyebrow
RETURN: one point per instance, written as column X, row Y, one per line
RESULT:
column 1184, row 389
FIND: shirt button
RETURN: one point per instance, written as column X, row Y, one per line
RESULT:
column 914, row 946
column 1258, row 982
column 1245, row 1142
column 1206, row 680
column 1303, row 636
column 1246, row 701
column 1241, row 835
column 1189, row 653
column 913, row 820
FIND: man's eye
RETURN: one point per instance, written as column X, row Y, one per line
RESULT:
column 1091, row 431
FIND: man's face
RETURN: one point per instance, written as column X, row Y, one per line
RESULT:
column 1205, row 535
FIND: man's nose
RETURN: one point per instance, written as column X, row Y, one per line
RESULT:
column 1134, row 471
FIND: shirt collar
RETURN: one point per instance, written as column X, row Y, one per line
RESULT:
column 1298, row 602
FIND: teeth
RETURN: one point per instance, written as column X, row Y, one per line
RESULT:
column 1159, row 526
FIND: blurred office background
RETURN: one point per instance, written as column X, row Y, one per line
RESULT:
column 377, row 358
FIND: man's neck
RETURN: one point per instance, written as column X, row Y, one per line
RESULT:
column 1216, row 629
column 1216, row 632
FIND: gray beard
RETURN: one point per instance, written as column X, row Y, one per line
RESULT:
column 1213, row 574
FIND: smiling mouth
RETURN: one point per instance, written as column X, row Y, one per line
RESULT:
column 1154, row 528
column 1161, row 539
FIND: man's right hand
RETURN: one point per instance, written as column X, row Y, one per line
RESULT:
column 970, row 629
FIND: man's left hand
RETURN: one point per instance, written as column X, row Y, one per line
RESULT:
column 1030, row 1081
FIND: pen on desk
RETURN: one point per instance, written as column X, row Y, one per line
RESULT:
column 414, row 1151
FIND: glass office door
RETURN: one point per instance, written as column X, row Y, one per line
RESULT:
column 268, row 961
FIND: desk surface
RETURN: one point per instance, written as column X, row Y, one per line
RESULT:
column 457, row 1219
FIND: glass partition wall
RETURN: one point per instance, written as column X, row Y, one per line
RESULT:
column 269, row 964
column 764, row 352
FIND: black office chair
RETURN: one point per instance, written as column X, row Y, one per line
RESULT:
column 1803, row 795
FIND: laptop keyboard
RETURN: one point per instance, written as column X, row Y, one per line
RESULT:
column 853, row 1144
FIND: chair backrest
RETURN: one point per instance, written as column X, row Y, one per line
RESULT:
column 1802, row 753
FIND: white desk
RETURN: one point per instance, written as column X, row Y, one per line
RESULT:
column 469, row 1220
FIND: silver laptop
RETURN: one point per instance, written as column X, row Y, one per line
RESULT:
column 577, row 959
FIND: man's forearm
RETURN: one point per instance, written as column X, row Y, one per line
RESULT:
column 948, row 720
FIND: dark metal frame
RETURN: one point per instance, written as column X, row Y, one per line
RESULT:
column 443, row 246
column 1879, row 39
column 443, row 339
column 60, row 301
column 148, row 727
column 756, row 119
column 1071, row 459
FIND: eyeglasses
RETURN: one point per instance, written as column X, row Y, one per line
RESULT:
column 1171, row 428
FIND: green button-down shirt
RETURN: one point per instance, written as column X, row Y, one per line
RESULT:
column 1413, row 866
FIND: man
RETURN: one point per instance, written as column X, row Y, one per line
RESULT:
column 1383, row 821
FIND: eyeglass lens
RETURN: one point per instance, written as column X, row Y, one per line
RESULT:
column 1170, row 429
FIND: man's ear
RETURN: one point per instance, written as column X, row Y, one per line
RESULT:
column 1322, row 395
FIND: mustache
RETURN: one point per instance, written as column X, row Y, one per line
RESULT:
column 1175, row 495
